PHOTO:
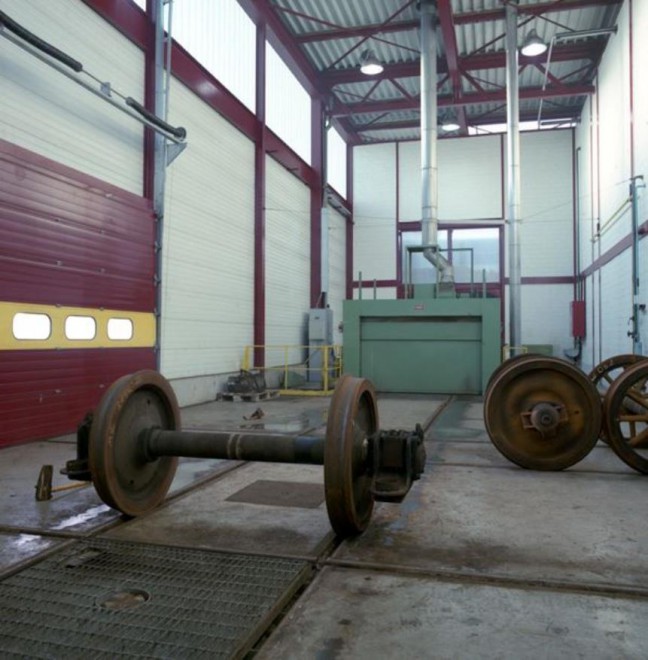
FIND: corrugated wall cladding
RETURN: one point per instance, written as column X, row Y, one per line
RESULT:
column 614, row 123
column 337, row 270
column 47, row 393
column 67, row 239
column 288, row 105
column 615, row 305
column 42, row 110
column 613, row 133
column 374, row 207
column 546, row 315
column 287, row 207
column 547, row 203
column 470, row 177
column 221, row 36
column 208, row 246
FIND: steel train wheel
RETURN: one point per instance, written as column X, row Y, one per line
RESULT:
column 543, row 413
column 607, row 371
column 352, row 418
column 122, row 476
column 626, row 416
column 506, row 364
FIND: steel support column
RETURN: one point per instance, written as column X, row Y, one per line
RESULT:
column 513, row 178
column 259, row 200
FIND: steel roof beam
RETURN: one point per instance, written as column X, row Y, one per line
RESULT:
column 532, row 93
column 462, row 18
column 355, row 32
column 444, row 11
column 497, row 119
column 531, row 10
column 480, row 62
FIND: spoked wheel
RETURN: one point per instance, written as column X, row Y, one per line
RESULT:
column 352, row 418
column 606, row 372
column 626, row 416
column 542, row 413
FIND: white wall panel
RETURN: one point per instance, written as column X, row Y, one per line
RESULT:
column 336, row 161
column 640, row 59
column 221, row 36
column 583, row 158
column 374, row 205
column 208, row 250
column 470, row 182
column 640, row 89
column 546, row 315
column 45, row 112
column 337, row 269
column 616, row 293
column 288, row 105
column 287, row 258
column 382, row 293
column 589, row 357
column 614, row 130
column 546, row 194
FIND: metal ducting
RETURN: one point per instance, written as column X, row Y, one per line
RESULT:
column 429, row 132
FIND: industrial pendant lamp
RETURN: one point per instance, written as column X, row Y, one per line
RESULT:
column 533, row 45
column 369, row 64
column 449, row 124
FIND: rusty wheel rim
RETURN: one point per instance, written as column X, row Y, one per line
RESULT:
column 543, row 414
column 352, row 418
column 606, row 372
column 506, row 364
column 122, row 476
column 626, row 416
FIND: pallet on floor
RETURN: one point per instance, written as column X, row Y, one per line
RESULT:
column 247, row 397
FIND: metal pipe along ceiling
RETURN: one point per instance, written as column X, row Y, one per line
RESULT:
column 429, row 131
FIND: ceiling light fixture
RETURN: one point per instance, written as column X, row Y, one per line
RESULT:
column 533, row 45
column 369, row 64
column 450, row 125
column 448, row 122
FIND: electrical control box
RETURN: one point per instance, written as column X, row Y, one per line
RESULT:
column 578, row 318
column 320, row 326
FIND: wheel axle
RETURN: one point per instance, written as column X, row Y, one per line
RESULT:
column 129, row 448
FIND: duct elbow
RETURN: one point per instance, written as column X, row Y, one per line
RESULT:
column 445, row 268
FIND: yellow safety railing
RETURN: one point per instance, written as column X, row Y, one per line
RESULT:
column 289, row 367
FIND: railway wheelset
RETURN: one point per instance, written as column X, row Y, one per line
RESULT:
column 543, row 413
column 129, row 448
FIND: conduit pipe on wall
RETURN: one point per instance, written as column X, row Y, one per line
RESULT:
column 566, row 36
column 513, row 178
column 429, row 131
column 637, row 347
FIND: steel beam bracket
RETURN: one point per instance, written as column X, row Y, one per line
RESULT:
column 79, row 468
column 398, row 459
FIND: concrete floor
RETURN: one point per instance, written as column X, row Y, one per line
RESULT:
column 482, row 560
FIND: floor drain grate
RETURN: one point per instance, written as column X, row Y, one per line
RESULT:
column 108, row 599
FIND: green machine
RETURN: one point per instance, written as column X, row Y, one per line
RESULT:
column 430, row 343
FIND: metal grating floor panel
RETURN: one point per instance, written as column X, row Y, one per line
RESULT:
column 111, row 599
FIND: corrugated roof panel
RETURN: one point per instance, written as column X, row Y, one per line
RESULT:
column 392, row 135
column 343, row 13
column 479, row 37
column 362, row 119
